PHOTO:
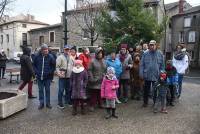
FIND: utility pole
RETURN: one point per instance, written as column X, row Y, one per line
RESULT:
column 65, row 24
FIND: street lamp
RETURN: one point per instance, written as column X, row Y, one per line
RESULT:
column 65, row 24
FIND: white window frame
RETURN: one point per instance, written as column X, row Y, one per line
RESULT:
column 50, row 36
column 187, row 21
column 191, row 37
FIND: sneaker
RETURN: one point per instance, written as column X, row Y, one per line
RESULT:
column 118, row 101
column 164, row 111
column 32, row 97
column 41, row 106
column 125, row 100
column 61, row 106
column 49, row 106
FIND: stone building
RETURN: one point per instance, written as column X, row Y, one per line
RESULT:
column 51, row 35
column 14, row 32
column 186, row 29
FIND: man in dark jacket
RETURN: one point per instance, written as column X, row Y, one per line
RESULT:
column 3, row 59
column 27, row 72
column 44, row 67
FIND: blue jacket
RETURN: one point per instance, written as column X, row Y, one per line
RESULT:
column 151, row 65
column 44, row 66
column 116, row 64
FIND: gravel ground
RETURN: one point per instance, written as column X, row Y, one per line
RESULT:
column 184, row 118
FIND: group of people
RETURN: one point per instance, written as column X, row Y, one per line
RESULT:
column 103, row 81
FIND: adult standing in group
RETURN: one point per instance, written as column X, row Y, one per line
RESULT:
column 3, row 59
column 26, row 72
column 55, row 57
column 44, row 67
column 151, row 64
column 96, row 72
column 145, row 48
column 180, row 62
column 85, row 57
column 113, row 61
column 127, row 63
column 64, row 65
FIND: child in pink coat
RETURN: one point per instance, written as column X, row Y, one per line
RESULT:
column 109, row 87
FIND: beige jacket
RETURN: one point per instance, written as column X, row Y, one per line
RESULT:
column 64, row 65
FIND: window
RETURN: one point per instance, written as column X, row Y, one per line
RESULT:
column 1, row 39
column 41, row 39
column 51, row 36
column 187, row 22
column 24, row 25
column 24, row 38
column 7, row 37
column 191, row 37
column 181, row 37
column 191, row 53
column 85, row 34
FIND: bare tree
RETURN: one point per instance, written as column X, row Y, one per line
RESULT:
column 3, row 7
column 89, row 12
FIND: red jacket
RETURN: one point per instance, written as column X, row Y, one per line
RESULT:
column 86, row 60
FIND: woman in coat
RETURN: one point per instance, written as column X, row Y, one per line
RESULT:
column 26, row 72
column 96, row 73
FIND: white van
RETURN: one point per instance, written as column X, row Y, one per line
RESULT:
column 16, row 56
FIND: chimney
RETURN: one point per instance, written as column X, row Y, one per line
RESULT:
column 181, row 2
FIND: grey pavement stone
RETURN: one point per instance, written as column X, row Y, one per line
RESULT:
column 184, row 118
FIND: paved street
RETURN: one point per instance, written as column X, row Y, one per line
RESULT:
column 184, row 118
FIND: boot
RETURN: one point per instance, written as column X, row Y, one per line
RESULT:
column 74, row 111
column 108, row 115
column 113, row 113
column 83, row 110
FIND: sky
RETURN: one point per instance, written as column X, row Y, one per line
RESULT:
column 49, row 11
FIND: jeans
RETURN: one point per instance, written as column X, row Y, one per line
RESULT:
column 180, row 81
column 147, row 90
column 64, row 85
column 44, row 85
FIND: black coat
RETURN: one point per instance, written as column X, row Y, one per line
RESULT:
column 3, row 60
column 26, row 71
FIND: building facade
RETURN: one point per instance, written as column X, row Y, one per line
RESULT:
column 51, row 35
column 14, row 33
column 186, row 29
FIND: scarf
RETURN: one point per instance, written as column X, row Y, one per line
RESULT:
column 179, row 55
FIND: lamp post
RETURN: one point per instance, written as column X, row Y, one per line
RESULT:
column 65, row 24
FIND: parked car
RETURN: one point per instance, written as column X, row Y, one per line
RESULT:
column 17, row 56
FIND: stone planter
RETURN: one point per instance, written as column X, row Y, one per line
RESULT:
column 11, row 101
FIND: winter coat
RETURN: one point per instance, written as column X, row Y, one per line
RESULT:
column 65, row 63
column 116, row 64
column 126, row 66
column 78, row 82
column 26, row 71
column 181, row 63
column 172, row 75
column 44, row 66
column 107, row 90
column 3, row 59
column 151, row 64
column 96, row 71
column 86, row 60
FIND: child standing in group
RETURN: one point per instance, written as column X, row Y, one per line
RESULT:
column 160, row 93
column 79, row 79
column 172, row 81
column 109, row 87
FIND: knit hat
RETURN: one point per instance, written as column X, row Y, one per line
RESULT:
column 67, row 47
column 44, row 46
column 124, row 46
